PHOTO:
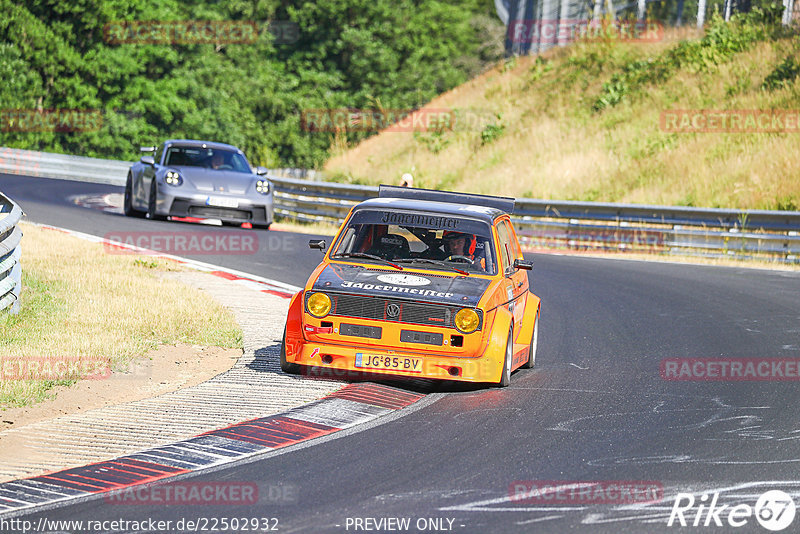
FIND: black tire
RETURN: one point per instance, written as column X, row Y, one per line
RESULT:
column 505, row 377
column 127, row 204
column 286, row 367
column 151, row 203
column 261, row 226
column 534, row 344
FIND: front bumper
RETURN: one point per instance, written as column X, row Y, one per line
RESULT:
column 255, row 211
column 325, row 357
column 342, row 360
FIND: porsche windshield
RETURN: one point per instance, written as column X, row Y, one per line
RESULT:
column 209, row 158
column 422, row 240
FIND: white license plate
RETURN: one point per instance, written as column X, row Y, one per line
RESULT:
column 222, row 202
column 388, row 362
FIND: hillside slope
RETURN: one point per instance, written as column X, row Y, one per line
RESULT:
column 583, row 123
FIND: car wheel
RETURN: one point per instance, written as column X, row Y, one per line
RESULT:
column 286, row 367
column 151, row 203
column 261, row 226
column 127, row 202
column 534, row 342
column 505, row 377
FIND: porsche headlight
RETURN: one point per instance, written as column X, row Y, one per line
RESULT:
column 262, row 186
column 173, row 178
column 467, row 320
column 319, row 305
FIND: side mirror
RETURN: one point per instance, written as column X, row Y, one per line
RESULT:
column 148, row 160
column 523, row 264
column 261, row 171
column 147, row 149
column 318, row 244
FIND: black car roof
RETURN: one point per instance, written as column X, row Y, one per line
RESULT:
column 430, row 206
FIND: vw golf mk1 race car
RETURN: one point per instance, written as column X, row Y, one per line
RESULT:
column 186, row 178
column 418, row 283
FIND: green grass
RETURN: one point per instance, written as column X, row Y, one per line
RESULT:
column 81, row 303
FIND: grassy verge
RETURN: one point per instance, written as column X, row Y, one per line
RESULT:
column 583, row 123
column 81, row 303
column 318, row 228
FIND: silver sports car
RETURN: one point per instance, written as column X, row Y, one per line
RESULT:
column 186, row 178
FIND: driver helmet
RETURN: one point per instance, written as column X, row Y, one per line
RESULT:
column 470, row 240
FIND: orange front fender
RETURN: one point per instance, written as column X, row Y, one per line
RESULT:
column 525, row 333
column 294, row 327
column 495, row 354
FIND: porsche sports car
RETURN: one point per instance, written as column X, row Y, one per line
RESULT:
column 418, row 283
column 187, row 178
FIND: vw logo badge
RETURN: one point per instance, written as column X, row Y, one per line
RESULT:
column 393, row 310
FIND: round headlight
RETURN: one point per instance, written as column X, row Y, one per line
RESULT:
column 467, row 320
column 173, row 178
column 319, row 304
column 262, row 186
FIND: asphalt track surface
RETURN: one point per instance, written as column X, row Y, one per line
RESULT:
column 595, row 408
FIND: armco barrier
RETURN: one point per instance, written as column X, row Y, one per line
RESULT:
column 591, row 226
column 10, row 271
column 588, row 226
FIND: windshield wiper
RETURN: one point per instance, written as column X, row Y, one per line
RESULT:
column 435, row 262
column 365, row 255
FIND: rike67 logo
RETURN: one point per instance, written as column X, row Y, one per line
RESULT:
column 774, row 510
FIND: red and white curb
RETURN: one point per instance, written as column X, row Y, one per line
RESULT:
column 353, row 405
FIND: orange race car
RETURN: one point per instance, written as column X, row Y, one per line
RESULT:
column 418, row 283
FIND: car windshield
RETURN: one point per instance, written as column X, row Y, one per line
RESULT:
column 422, row 240
column 210, row 158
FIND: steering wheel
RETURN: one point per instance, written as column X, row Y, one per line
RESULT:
column 459, row 257
column 225, row 167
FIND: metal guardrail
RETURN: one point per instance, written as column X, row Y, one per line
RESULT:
column 62, row 166
column 10, row 270
column 592, row 226
column 589, row 226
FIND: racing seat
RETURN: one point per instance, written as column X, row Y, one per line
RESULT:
column 479, row 258
column 391, row 246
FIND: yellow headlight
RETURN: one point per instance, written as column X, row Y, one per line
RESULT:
column 467, row 320
column 319, row 304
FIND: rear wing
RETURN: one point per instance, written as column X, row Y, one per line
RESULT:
column 505, row 204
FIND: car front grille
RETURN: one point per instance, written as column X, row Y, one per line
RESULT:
column 220, row 213
column 395, row 310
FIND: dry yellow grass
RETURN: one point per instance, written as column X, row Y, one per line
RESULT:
column 81, row 303
column 555, row 147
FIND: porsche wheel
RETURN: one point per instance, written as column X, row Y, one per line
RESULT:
column 127, row 205
column 151, row 203
column 534, row 342
column 286, row 367
column 505, row 377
